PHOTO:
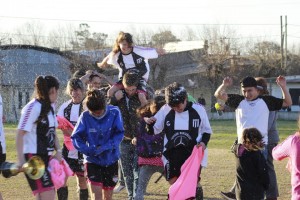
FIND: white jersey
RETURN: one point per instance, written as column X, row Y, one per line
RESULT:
column 71, row 112
column 39, row 137
column 130, row 60
column 2, row 135
column 183, row 123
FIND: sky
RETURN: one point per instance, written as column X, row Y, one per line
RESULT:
column 251, row 18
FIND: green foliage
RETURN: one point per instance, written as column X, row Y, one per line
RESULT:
column 160, row 39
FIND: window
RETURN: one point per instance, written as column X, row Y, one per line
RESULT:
column 295, row 94
column 20, row 100
column 27, row 97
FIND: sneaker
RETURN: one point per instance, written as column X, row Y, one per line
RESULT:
column 199, row 193
column 118, row 188
column 228, row 195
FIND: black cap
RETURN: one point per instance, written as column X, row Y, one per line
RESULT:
column 248, row 82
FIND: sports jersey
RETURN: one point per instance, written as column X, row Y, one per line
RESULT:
column 39, row 137
column 71, row 112
column 136, row 59
column 2, row 135
column 98, row 138
column 253, row 113
column 183, row 129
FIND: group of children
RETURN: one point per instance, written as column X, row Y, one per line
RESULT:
column 142, row 136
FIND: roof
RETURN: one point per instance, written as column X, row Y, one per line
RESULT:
column 21, row 64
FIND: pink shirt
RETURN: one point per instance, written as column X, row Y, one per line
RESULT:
column 291, row 148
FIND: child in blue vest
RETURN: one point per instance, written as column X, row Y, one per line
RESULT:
column 149, row 146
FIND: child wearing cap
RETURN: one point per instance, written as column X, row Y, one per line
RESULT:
column 251, row 109
column 185, row 125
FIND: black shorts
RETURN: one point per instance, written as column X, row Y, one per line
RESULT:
column 76, row 165
column 106, row 177
column 44, row 183
column 176, row 158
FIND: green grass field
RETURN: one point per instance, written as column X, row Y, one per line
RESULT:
column 218, row 176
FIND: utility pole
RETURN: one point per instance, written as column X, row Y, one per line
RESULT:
column 285, row 63
column 281, row 42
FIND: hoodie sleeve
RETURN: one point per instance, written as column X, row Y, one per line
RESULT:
column 79, row 137
column 117, row 133
column 282, row 150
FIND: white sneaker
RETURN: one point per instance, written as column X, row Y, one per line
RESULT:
column 118, row 188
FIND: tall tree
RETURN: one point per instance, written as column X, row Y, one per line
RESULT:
column 160, row 39
column 267, row 58
column 87, row 40
column 31, row 33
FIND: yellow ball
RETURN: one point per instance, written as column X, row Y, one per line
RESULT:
column 218, row 106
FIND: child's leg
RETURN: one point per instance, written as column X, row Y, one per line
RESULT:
column 107, row 194
column 96, row 191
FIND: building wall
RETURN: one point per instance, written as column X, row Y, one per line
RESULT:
column 276, row 91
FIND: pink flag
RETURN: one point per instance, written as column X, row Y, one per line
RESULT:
column 185, row 185
column 64, row 124
column 59, row 171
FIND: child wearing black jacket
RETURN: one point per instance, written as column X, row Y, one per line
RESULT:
column 252, row 176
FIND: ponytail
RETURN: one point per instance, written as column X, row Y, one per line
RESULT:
column 42, row 86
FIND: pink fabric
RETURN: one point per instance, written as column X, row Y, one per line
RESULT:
column 185, row 185
column 155, row 161
column 290, row 148
column 59, row 171
column 64, row 124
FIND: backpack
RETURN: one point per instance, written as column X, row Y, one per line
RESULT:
column 148, row 144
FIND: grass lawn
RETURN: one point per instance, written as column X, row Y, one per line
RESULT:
column 218, row 176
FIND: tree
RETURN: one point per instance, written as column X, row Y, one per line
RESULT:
column 267, row 58
column 87, row 40
column 218, row 54
column 31, row 33
column 160, row 39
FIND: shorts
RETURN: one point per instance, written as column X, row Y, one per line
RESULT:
column 176, row 158
column 44, row 183
column 76, row 165
column 106, row 177
column 141, row 88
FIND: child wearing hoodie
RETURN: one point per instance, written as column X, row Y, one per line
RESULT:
column 98, row 134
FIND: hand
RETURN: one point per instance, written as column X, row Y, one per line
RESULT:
column 133, row 141
column 149, row 120
column 160, row 51
column 58, row 155
column 281, row 81
column 202, row 145
column 227, row 81
column 67, row 132
column 119, row 95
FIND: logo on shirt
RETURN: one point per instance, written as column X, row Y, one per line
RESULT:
column 139, row 60
column 92, row 130
column 168, row 123
column 196, row 123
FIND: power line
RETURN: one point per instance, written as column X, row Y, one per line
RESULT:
column 127, row 22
